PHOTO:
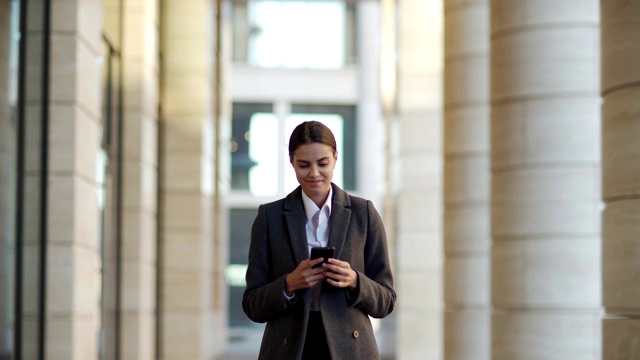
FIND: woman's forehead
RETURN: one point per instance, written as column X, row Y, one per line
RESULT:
column 313, row 152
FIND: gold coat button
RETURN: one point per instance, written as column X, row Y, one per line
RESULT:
column 356, row 334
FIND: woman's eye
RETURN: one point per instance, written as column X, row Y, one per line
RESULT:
column 324, row 164
column 303, row 166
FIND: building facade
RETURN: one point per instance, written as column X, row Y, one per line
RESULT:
column 506, row 167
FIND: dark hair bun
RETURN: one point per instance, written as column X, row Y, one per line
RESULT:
column 311, row 132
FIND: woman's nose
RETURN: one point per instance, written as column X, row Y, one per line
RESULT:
column 313, row 171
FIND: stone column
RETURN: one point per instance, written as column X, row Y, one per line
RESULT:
column 545, row 193
column 419, row 225
column 187, row 181
column 620, row 178
column 467, row 175
column 72, row 237
column 140, row 177
column 370, row 173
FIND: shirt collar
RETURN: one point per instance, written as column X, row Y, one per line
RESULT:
column 310, row 208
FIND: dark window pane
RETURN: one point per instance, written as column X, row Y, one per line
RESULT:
column 240, row 222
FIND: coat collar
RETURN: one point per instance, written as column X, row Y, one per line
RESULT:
column 340, row 218
column 295, row 217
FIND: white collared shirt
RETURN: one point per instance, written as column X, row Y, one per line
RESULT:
column 317, row 225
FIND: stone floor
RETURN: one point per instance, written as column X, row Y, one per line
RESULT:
column 244, row 344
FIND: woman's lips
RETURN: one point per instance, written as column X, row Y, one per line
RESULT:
column 314, row 182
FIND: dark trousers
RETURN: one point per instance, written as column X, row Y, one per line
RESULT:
column 315, row 343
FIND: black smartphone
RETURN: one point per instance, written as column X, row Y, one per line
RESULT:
column 322, row 252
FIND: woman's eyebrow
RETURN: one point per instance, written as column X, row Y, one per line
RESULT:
column 307, row 161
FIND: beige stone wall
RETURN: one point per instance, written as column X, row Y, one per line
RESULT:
column 72, row 307
column 192, row 299
column 467, row 237
column 140, row 51
column 545, row 131
column 419, row 227
column 620, row 178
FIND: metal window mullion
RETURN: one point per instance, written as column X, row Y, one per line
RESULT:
column 282, row 110
column 44, row 170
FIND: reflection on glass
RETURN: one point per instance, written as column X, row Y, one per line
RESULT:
column 9, row 37
column 293, row 34
column 335, row 123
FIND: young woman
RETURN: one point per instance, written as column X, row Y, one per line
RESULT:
column 317, row 312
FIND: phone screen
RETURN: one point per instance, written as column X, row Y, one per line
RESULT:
column 323, row 252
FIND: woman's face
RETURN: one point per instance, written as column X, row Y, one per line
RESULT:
column 314, row 164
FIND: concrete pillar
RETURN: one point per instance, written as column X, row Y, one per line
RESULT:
column 140, row 177
column 467, row 237
column 620, row 178
column 545, row 191
column 419, row 225
column 74, row 107
column 187, row 262
column 370, row 172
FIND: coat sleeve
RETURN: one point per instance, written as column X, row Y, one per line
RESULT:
column 375, row 295
column 263, row 299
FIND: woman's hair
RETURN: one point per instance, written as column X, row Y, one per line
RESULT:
column 311, row 132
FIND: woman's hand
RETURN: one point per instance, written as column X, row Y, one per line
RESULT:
column 340, row 274
column 304, row 276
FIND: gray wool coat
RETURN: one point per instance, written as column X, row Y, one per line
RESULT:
column 279, row 244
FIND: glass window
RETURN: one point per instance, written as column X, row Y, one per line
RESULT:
column 259, row 146
column 263, row 176
column 251, row 118
column 9, row 39
column 23, row 117
column 294, row 34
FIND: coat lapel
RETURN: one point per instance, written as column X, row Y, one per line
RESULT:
column 340, row 218
column 295, row 217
